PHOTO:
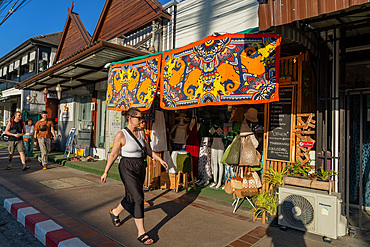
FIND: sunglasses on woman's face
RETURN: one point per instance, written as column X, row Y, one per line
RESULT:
column 140, row 118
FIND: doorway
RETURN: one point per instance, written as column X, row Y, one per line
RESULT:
column 358, row 158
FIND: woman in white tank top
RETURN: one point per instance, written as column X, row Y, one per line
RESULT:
column 132, row 171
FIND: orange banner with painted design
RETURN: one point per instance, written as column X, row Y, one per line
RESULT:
column 133, row 84
column 221, row 70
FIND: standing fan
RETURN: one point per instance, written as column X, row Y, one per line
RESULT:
column 297, row 211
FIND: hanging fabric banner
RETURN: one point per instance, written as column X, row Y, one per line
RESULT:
column 133, row 84
column 220, row 70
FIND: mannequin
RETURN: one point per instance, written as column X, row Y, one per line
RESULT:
column 217, row 151
column 181, row 133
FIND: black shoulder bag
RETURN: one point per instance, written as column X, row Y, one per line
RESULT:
column 44, row 127
column 143, row 149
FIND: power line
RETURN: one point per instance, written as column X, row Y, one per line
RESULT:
column 10, row 7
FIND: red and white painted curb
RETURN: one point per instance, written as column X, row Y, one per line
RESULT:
column 44, row 229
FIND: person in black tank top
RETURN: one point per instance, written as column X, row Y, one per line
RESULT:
column 15, row 129
column 132, row 172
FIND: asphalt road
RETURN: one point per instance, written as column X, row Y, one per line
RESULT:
column 12, row 233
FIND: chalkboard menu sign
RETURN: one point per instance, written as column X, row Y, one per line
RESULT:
column 280, row 127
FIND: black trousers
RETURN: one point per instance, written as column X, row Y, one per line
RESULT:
column 132, row 172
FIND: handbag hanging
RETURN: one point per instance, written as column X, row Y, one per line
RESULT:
column 248, row 155
column 237, row 181
column 233, row 152
column 249, row 185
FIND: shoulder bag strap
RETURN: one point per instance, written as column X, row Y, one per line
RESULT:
column 132, row 135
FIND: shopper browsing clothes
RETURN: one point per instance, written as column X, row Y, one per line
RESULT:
column 44, row 128
column 28, row 139
column 15, row 130
column 132, row 167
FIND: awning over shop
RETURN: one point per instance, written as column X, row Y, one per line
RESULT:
column 133, row 84
column 83, row 68
column 220, row 70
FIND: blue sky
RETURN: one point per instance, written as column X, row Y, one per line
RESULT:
column 46, row 16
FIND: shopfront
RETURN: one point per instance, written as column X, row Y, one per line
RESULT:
column 198, row 99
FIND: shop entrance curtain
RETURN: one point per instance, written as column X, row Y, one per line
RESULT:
column 133, row 84
column 220, row 70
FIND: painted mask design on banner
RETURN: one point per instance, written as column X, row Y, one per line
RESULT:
column 227, row 69
column 133, row 84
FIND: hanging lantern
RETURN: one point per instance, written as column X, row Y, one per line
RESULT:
column 59, row 91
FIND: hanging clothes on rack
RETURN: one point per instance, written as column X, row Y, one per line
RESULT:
column 204, row 165
column 158, row 137
column 192, row 145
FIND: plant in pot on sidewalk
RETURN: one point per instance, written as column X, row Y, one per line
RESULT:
column 268, row 202
column 275, row 178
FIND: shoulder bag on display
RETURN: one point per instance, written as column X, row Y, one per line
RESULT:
column 228, row 189
column 143, row 150
column 232, row 153
column 44, row 127
column 248, row 155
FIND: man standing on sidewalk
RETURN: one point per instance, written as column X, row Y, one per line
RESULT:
column 15, row 130
column 44, row 128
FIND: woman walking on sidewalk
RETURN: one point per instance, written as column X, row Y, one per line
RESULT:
column 132, row 167
column 28, row 139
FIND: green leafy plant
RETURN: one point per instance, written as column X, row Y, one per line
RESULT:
column 274, row 177
column 325, row 175
column 299, row 170
column 267, row 202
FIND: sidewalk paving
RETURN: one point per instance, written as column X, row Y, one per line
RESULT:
column 79, row 202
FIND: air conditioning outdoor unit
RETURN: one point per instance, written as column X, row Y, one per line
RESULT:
column 311, row 210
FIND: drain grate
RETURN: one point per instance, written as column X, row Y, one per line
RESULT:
column 65, row 183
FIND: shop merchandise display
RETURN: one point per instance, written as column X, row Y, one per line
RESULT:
column 217, row 151
column 158, row 138
column 169, row 160
column 203, row 139
column 180, row 132
column 204, row 165
column 192, row 143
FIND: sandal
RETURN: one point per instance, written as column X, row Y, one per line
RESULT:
column 26, row 168
column 144, row 238
column 8, row 168
column 115, row 219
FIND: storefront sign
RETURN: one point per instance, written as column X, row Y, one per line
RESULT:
column 280, row 127
column 114, row 126
column 133, row 84
column 221, row 70
column 66, row 112
column 305, row 144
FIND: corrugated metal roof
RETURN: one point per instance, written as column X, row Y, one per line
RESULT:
column 328, row 12
column 52, row 38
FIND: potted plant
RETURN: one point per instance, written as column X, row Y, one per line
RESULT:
column 275, row 178
column 302, row 175
column 266, row 202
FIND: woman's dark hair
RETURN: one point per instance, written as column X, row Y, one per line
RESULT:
column 133, row 111
column 28, row 119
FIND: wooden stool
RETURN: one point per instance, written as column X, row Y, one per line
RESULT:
column 185, row 181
